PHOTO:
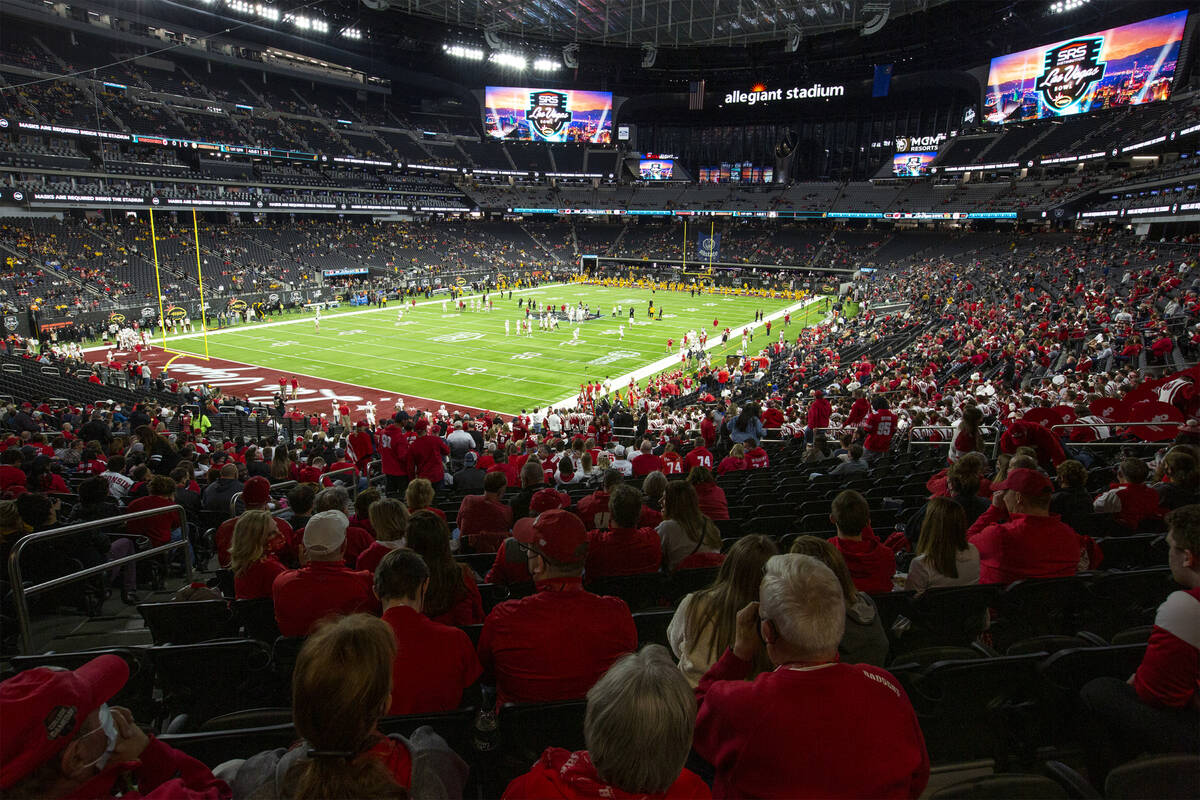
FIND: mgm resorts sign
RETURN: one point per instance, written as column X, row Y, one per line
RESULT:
column 761, row 94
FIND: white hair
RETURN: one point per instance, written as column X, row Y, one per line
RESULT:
column 803, row 599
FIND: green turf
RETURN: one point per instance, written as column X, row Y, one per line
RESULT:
column 466, row 358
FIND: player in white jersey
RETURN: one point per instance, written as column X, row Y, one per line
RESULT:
column 506, row 327
column 317, row 320
column 621, row 332
column 443, row 306
column 575, row 335
column 370, row 413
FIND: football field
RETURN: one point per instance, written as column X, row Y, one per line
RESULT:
column 437, row 353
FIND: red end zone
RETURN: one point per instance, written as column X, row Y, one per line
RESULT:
column 261, row 384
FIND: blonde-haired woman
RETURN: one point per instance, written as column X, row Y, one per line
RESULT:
column 389, row 519
column 254, row 566
column 419, row 497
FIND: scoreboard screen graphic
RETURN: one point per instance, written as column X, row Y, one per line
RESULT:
column 656, row 169
column 912, row 165
column 1124, row 66
column 547, row 115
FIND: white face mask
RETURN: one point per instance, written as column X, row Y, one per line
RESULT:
column 109, row 726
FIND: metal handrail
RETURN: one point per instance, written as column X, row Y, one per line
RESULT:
column 1141, row 442
column 21, row 592
column 992, row 429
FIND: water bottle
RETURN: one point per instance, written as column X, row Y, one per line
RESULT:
column 487, row 732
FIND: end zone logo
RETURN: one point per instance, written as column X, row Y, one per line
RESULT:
column 1070, row 70
column 548, row 113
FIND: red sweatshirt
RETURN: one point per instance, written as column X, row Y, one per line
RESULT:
column 751, row 733
column 1131, row 502
column 871, row 563
column 1028, row 546
column 1169, row 675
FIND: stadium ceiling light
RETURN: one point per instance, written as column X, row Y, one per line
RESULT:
column 461, row 51
column 1063, row 6
column 545, row 65
column 509, row 60
column 352, row 33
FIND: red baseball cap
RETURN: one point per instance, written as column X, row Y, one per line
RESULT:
column 1025, row 481
column 42, row 710
column 548, row 500
column 556, row 535
column 256, row 491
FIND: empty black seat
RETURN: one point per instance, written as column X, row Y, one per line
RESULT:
column 188, row 622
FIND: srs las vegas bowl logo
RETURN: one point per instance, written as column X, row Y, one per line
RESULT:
column 1070, row 70
column 548, row 113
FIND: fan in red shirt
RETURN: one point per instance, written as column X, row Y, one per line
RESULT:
column 1158, row 709
column 748, row 730
column 1131, row 500
column 254, row 566
column 1018, row 537
column 324, row 586
column 483, row 520
column 361, row 447
column 871, row 563
column 453, row 597
column 524, row 643
column 734, row 462
column 646, row 462
column 426, row 454
column 638, row 729
column 160, row 528
column 879, row 428
column 819, row 413
column 393, row 444
column 434, row 663
column 593, row 509
column 256, row 494
column 672, row 461
column 624, row 549
column 756, row 456
column 698, row 456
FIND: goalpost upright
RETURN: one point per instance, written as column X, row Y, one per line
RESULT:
column 162, row 312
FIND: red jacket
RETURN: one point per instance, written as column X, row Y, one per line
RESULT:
column 712, row 500
column 554, row 644
column 305, row 596
column 730, row 464
column 562, row 775
column 1133, row 503
column 751, row 734
column 1027, row 546
column 871, row 563
column 757, row 459
column 623, row 551
column 1169, row 675
column 434, row 663
column 425, row 458
column 819, row 413
column 393, row 450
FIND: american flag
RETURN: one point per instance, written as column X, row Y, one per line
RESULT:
column 696, row 96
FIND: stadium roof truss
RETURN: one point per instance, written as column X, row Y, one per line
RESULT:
column 669, row 23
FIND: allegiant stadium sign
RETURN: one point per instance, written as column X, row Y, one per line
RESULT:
column 761, row 94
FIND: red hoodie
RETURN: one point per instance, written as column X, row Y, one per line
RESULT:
column 566, row 775
column 872, row 563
